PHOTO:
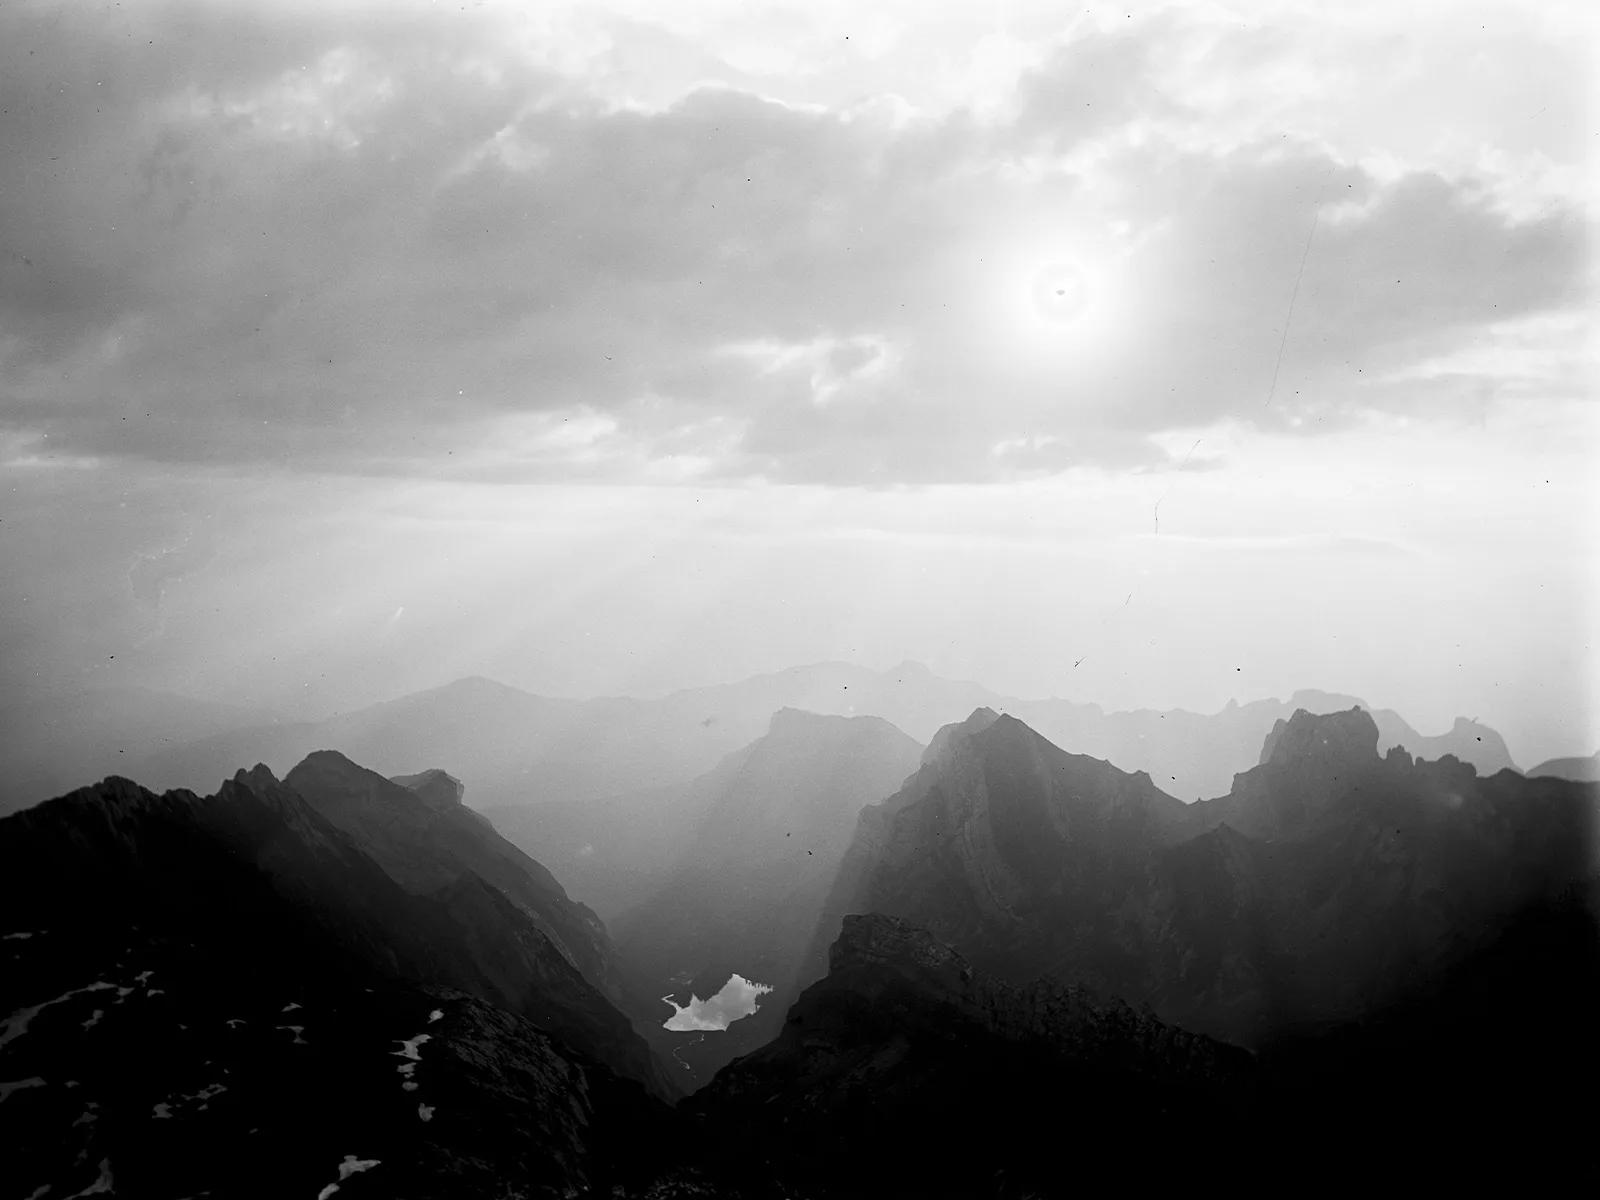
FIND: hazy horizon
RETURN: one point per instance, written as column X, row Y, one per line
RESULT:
column 1155, row 356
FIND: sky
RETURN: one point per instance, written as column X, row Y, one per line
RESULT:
column 1152, row 354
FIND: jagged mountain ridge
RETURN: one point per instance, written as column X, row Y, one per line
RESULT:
column 514, row 748
column 202, row 966
column 51, row 744
column 263, row 836
column 223, row 994
column 1327, row 879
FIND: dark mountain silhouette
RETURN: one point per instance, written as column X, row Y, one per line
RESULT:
column 746, row 894
column 426, row 840
column 52, row 744
column 223, row 994
column 513, row 748
column 906, row 1070
column 429, row 926
column 1579, row 770
column 1328, row 880
column 346, row 981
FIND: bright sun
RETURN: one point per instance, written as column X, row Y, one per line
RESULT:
column 1061, row 293
column 1047, row 304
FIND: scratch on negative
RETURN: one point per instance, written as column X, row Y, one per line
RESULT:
column 1294, row 294
column 1168, row 492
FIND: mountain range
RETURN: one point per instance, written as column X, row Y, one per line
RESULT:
column 513, row 748
column 1002, row 968
column 1579, row 770
column 1327, row 880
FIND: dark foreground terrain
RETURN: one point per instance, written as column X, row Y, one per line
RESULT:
column 338, row 985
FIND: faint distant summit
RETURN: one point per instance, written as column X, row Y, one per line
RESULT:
column 1578, row 770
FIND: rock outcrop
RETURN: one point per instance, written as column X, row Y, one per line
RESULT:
column 908, row 1071
column 1326, row 881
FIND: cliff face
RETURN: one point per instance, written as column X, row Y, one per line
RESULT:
column 908, row 1070
column 1069, row 1019
column 904, row 1044
column 427, row 841
column 1326, row 880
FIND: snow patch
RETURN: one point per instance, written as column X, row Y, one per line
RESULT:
column 101, row 1186
column 7, row 1088
column 408, row 1048
column 17, row 1022
column 350, row 1166
column 738, row 998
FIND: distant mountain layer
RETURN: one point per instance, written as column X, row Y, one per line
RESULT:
column 1326, row 881
column 513, row 748
column 53, row 744
column 1581, row 770
column 745, row 893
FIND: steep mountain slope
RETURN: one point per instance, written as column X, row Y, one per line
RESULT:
column 908, row 1071
column 427, row 840
column 222, row 994
column 460, row 932
column 746, row 894
column 514, row 748
column 904, row 1044
column 1326, row 881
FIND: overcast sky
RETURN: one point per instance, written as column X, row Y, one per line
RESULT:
column 1154, row 355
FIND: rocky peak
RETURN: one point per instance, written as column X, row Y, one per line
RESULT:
column 1331, row 740
column 437, row 788
column 951, row 736
column 258, row 778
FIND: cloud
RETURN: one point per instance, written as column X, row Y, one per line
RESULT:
column 738, row 998
column 385, row 242
column 150, row 574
